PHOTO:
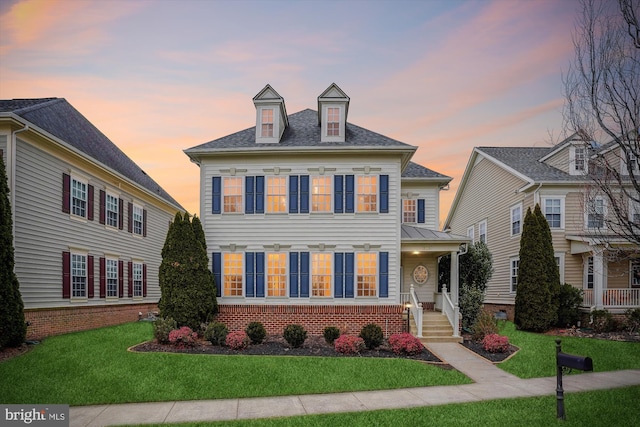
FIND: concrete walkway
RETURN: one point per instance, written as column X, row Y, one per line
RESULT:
column 490, row 383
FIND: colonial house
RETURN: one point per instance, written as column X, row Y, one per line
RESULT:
column 311, row 219
column 501, row 183
column 88, row 223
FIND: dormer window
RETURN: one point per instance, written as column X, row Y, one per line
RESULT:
column 333, row 121
column 267, row 123
column 271, row 116
column 333, row 106
column 578, row 160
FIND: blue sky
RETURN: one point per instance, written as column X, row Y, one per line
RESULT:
column 158, row 77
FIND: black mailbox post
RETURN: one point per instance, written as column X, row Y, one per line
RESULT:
column 568, row 362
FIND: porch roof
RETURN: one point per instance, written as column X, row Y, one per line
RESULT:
column 412, row 233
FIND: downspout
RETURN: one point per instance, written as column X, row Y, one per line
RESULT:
column 11, row 160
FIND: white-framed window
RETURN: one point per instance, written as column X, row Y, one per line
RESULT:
column 634, row 212
column 333, row 121
column 578, row 160
column 112, row 210
column 516, row 219
column 78, row 276
column 321, row 193
column 137, row 279
column 634, row 267
column 232, row 279
column 367, row 193
column 366, row 274
column 266, row 123
column 633, row 161
column 471, row 233
column 409, row 209
column 232, row 194
column 112, row 278
column 78, row 198
column 595, row 212
column 321, row 274
column 553, row 209
column 138, row 220
column 482, row 231
column 277, row 274
column 514, row 264
column 588, row 275
column 276, row 194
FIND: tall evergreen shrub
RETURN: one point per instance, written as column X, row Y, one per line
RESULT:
column 536, row 307
column 188, row 292
column 13, row 328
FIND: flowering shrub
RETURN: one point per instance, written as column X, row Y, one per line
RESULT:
column 405, row 344
column 162, row 328
column 348, row 344
column 238, row 340
column 183, row 337
column 495, row 343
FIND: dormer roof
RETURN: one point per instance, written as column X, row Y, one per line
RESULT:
column 333, row 94
column 268, row 95
column 271, row 116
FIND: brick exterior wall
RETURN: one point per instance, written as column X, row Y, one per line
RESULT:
column 56, row 321
column 314, row 318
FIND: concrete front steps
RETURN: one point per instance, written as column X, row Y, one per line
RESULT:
column 435, row 328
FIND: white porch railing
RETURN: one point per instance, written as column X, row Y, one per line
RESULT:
column 416, row 310
column 452, row 311
column 613, row 298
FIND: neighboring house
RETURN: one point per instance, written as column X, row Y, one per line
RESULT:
column 89, row 224
column 501, row 183
column 310, row 219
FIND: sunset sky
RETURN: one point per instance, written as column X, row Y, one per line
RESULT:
column 158, row 77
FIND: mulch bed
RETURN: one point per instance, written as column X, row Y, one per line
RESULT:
column 277, row 346
column 590, row 333
column 477, row 348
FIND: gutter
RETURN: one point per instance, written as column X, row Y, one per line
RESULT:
column 11, row 159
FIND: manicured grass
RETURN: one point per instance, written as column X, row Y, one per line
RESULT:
column 537, row 355
column 606, row 408
column 94, row 367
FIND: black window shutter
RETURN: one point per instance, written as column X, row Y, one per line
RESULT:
column 130, row 214
column 66, row 274
column 103, row 278
column 66, row 193
column 120, row 214
column 144, row 223
column 90, row 282
column 120, row 279
column 90, row 202
column 103, row 202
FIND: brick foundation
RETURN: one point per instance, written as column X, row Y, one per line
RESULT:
column 314, row 318
column 56, row 321
column 507, row 308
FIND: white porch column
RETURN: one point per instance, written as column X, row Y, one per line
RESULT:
column 453, row 286
column 598, row 279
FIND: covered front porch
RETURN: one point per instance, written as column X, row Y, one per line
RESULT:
column 421, row 248
column 611, row 272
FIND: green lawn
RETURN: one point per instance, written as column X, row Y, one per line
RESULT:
column 606, row 408
column 537, row 355
column 94, row 367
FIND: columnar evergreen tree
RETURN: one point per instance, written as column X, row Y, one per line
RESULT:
column 476, row 269
column 13, row 328
column 552, row 272
column 186, row 283
column 536, row 293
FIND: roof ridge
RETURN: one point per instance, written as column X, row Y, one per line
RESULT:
column 47, row 102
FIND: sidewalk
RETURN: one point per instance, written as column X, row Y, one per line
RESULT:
column 490, row 383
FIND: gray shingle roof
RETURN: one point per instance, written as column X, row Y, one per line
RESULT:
column 525, row 160
column 411, row 233
column 59, row 118
column 303, row 131
column 414, row 170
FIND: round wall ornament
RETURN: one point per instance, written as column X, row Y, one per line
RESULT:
column 420, row 274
